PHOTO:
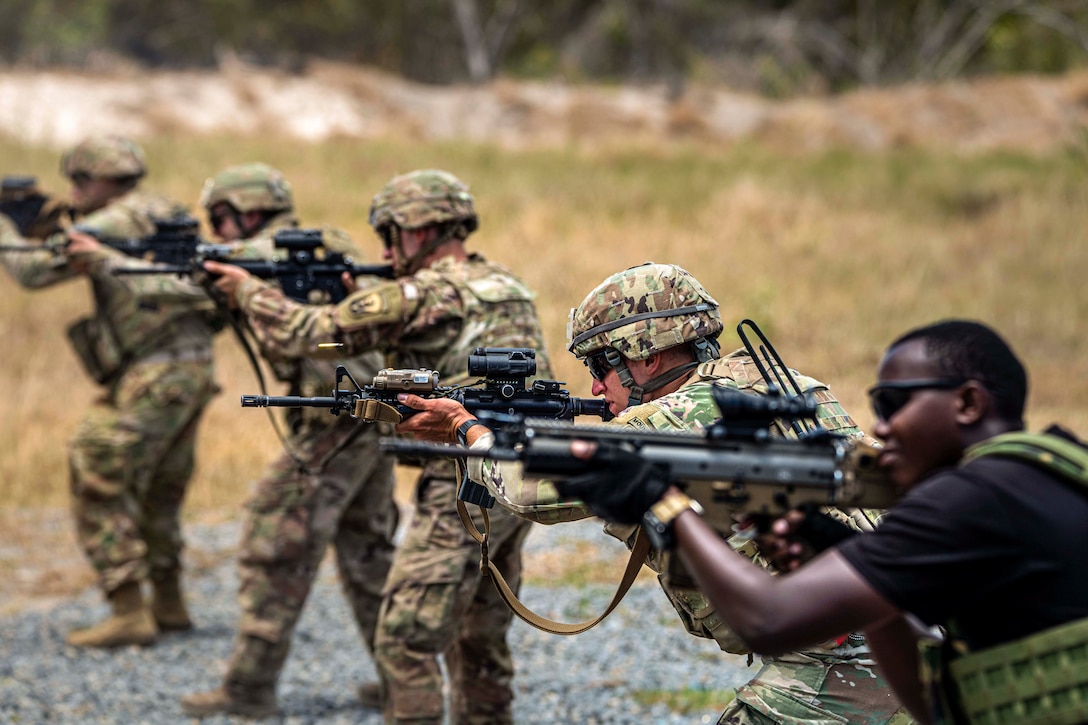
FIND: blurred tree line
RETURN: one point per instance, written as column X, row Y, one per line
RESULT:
column 778, row 47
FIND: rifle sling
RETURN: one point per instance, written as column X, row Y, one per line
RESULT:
column 375, row 411
column 639, row 551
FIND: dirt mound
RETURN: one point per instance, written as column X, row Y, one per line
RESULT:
column 56, row 108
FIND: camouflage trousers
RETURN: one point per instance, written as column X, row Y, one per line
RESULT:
column 438, row 603
column 793, row 693
column 130, row 462
column 292, row 518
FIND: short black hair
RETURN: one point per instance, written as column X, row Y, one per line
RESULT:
column 972, row 350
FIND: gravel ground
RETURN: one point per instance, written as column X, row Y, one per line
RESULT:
column 588, row 678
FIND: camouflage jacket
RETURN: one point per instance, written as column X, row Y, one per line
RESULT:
column 180, row 320
column 432, row 319
column 691, row 407
column 306, row 376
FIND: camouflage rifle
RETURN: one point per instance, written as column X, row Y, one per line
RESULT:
column 306, row 270
column 35, row 213
column 735, row 466
column 503, row 388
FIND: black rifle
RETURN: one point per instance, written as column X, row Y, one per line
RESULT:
column 734, row 466
column 306, row 270
column 175, row 239
column 504, row 388
column 35, row 213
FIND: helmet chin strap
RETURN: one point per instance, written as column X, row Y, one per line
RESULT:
column 704, row 349
column 415, row 262
column 637, row 392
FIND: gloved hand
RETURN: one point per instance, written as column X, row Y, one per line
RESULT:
column 621, row 486
column 799, row 535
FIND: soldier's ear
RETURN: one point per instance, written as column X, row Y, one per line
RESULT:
column 973, row 403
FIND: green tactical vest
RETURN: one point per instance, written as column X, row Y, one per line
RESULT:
column 1041, row 679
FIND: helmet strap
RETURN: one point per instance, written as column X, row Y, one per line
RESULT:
column 706, row 349
column 240, row 225
column 636, row 392
column 415, row 262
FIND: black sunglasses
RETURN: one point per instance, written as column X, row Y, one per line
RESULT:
column 598, row 364
column 80, row 178
column 888, row 398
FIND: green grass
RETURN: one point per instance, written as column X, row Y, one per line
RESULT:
column 686, row 700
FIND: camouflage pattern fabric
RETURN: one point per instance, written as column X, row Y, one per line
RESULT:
column 132, row 456
column 642, row 310
column 292, row 516
column 435, row 603
column 107, row 156
column 131, row 460
column 422, row 198
column 248, row 187
column 291, row 519
column 833, row 683
column 432, row 319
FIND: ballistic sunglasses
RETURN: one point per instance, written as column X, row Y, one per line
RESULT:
column 888, row 398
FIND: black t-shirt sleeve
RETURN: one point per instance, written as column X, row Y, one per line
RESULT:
column 937, row 550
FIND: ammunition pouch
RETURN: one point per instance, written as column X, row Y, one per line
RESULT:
column 98, row 349
column 1042, row 678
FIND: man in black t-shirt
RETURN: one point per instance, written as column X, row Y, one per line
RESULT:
column 996, row 544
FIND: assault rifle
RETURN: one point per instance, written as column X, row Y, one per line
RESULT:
column 503, row 388
column 306, row 270
column 35, row 213
column 174, row 239
column 734, row 466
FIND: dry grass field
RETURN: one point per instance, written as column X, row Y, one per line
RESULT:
column 833, row 253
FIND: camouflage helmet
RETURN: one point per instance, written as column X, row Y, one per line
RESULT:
column 421, row 198
column 109, row 157
column 643, row 310
column 248, row 187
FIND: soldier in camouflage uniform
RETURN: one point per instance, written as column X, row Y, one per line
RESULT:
column 335, row 487
column 649, row 337
column 445, row 303
column 132, row 456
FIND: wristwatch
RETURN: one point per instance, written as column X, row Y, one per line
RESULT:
column 462, row 430
column 658, row 521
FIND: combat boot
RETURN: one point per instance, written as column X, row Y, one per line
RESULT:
column 371, row 695
column 232, row 698
column 168, row 604
column 130, row 623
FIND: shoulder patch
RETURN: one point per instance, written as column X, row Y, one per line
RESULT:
column 376, row 305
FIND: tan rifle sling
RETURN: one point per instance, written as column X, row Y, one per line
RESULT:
column 639, row 551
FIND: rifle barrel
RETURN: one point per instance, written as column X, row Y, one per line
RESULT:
column 286, row 401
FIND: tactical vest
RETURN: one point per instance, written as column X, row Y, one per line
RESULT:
column 1036, row 680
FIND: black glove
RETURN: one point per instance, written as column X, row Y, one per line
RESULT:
column 621, row 486
column 822, row 531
